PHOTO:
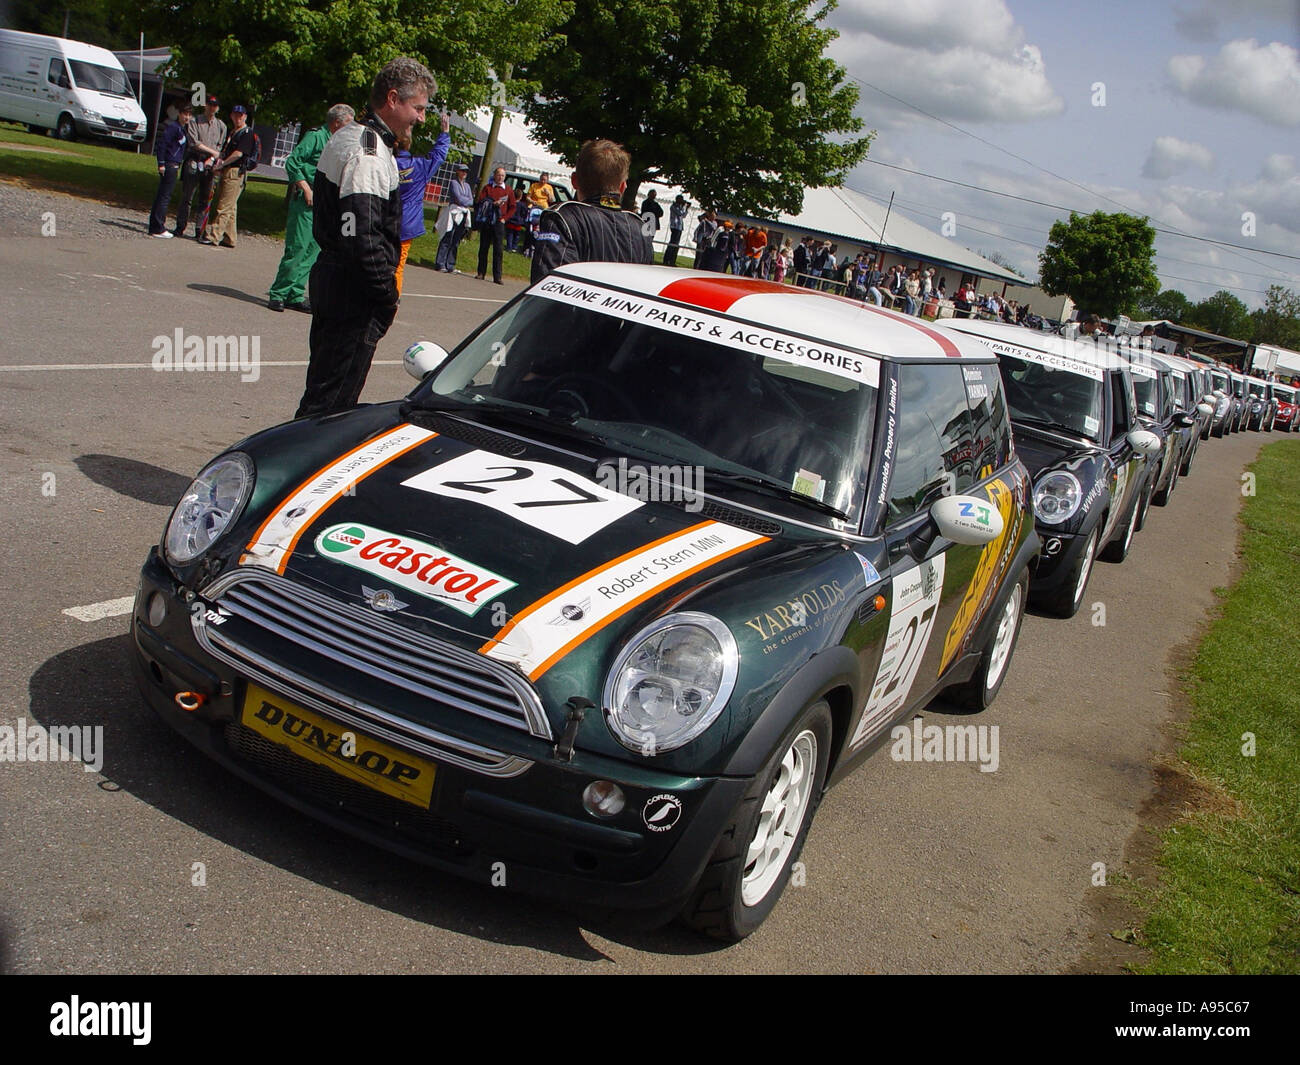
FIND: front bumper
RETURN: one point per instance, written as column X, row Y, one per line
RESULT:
column 523, row 827
column 1057, row 555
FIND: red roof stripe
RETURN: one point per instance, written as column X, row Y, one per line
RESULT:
column 719, row 293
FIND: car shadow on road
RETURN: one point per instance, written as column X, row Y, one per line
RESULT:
column 130, row 477
column 92, row 685
column 232, row 293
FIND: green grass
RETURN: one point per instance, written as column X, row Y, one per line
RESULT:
column 1228, row 900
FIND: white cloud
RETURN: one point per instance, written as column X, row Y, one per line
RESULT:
column 1170, row 156
column 1277, row 167
column 1261, row 80
column 971, row 65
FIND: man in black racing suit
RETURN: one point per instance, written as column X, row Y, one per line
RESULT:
column 594, row 227
column 357, row 217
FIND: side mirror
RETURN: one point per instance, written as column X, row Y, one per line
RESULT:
column 1206, row 407
column 1184, row 420
column 1210, row 398
column 1144, row 442
column 967, row 520
column 423, row 357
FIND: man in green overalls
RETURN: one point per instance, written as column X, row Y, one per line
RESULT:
column 300, row 248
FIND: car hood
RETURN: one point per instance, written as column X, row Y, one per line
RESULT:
column 1041, row 450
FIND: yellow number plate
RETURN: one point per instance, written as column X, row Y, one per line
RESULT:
column 350, row 754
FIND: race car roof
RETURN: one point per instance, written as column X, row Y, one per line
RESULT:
column 1087, row 358
column 833, row 320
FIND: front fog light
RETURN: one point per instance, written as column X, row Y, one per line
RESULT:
column 603, row 798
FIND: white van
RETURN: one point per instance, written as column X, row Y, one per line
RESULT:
column 67, row 86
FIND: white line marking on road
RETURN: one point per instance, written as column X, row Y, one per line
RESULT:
column 109, row 608
column 149, row 365
column 471, row 299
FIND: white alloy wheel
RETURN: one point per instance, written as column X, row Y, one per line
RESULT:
column 1000, row 652
column 1089, row 553
column 784, row 808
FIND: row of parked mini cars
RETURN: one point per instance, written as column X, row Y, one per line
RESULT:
column 640, row 568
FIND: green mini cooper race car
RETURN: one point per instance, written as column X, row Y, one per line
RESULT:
column 601, row 609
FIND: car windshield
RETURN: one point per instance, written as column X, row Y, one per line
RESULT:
column 101, row 79
column 1220, row 380
column 754, row 422
column 1051, row 398
column 1284, row 393
column 1148, row 395
column 1257, row 388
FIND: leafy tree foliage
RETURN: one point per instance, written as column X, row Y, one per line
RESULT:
column 1170, row 304
column 1224, row 314
column 103, row 22
column 1104, row 262
column 734, row 102
column 292, row 59
column 1278, row 321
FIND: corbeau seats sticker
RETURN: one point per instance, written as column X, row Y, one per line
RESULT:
column 413, row 564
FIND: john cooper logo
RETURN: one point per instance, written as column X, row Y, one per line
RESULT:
column 75, row 1017
column 236, row 354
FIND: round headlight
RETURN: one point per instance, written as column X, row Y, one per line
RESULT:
column 671, row 682
column 208, row 507
column 1056, row 497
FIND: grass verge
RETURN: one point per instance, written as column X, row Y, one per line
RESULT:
column 1228, row 899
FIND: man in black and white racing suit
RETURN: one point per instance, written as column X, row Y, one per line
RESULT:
column 357, row 223
column 594, row 227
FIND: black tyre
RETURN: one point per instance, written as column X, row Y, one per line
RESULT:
column 979, row 692
column 1161, row 498
column 1066, row 602
column 1186, row 467
column 751, row 864
column 1117, row 549
column 1143, row 509
column 40, row 131
column 66, row 130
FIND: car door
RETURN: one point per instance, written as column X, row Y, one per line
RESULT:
column 933, row 456
column 1126, row 464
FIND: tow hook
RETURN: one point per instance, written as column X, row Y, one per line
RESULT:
column 578, row 707
column 190, row 701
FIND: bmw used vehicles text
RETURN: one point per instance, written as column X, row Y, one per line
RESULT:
column 1076, row 426
column 601, row 609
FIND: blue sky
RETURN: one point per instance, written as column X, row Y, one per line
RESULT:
column 1186, row 111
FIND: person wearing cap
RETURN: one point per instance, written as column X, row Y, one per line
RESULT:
column 236, row 153
column 289, row 289
column 460, row 211
column 204, row 136
column 170, row 150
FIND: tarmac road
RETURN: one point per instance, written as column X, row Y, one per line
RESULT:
column 911, row 867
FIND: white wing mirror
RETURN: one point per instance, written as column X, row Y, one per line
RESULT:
column 967, row 520
column 423, row 357
column 1205, row 408
column 1144, row 442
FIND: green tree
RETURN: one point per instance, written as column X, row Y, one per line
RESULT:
column 292, row 59
column 1170, row 304
column 1278, row 321
column 101, row 22
column 734, row 102
column 1224, row 314
column 1104, row 262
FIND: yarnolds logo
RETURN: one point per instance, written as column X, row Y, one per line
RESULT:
column 414, row 565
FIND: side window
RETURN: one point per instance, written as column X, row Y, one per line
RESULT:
column 1121, row 404
column 989, row 418
column 935, row 455
column 57, row 75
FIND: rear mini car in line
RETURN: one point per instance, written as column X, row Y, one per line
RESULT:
column 603, row 606
column 1288, row 407
column 1077, row 430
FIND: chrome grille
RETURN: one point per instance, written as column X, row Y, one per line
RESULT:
column 274, row 621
